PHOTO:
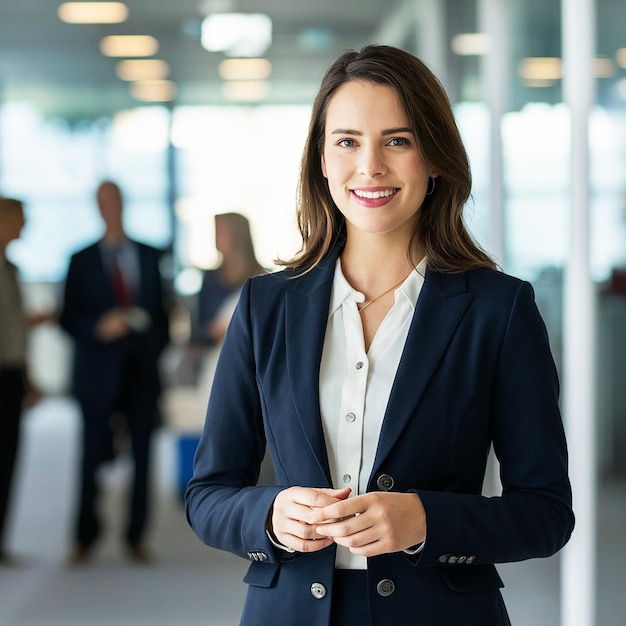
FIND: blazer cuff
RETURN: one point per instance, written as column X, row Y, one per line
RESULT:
column 276, row 543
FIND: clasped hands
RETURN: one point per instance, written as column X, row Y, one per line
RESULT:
column 308, row 520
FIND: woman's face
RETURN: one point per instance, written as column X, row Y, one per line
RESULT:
column 375, row 172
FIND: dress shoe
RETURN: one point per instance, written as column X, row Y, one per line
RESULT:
column 138, row 554
column 79, row 556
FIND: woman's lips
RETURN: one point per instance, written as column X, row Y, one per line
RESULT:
column 374, row 197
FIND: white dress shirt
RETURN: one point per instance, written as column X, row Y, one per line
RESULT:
column 355, row 384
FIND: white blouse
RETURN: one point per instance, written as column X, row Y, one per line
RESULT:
column 355, row 384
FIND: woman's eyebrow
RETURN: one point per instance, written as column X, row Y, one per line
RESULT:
column 346, row 131
column 384, row 133
column 393, row 131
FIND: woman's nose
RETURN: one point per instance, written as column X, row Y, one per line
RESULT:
column 372, row 162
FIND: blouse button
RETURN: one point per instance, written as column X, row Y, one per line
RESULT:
column 359, row 365
column 350, row 417
column 347, row 478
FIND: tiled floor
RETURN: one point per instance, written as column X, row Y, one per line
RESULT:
column 189, row 584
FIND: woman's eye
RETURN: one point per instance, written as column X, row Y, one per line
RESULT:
column 346, row 143
column 399, row 141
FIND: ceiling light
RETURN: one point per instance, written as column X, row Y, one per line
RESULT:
column 470, row 44
column 246, row 90
column 129, row 46
column 541, row 68
column 237, row 34
column 153, row 90
column 93, row 12
column 245, row 69
column 604, row 67
column 145, row 69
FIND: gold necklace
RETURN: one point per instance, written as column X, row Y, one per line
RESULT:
column 363, row 305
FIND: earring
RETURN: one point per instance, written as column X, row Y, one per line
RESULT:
column 430, row 190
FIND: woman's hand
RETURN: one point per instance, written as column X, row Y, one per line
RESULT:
column 372, row 523
column 292, row 508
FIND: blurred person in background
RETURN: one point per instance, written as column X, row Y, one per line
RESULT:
column 16, row 388
column 220, row 287
column 114, row 310
column 219, row 292
column 379, row 368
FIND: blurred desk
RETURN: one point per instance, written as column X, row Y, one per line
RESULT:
column 183, row 409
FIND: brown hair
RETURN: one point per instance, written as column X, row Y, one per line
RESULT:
column 439, row 226
column 241, row 260
column 8, row 206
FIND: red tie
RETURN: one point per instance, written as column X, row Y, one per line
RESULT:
column 122, row 293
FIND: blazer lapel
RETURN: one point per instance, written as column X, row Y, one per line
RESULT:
column 442, row 302
column 100, row 275
column 306, row 317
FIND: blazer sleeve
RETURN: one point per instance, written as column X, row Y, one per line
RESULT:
column 223, row 504
column 158, row 298
column 78, row 314
column 533, row 517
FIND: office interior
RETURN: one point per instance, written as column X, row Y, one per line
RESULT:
column 538, row 88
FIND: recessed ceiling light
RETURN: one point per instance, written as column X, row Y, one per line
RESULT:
column 153, row 90
column 541, row 68
column 144, row 69
column 129, row 46
column 604, row 67
column 93, row 12
column 470, row 44
column 245, row 69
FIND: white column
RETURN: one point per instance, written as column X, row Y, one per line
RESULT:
column 494, row 80
column 578, row 566
column 430, row 36
column 423, row 23
column 495, row 71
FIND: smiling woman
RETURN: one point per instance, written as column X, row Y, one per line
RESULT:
column 378, row 369
column 376, row 165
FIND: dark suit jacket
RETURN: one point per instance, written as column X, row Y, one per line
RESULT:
column 476, row 370
column 89, row 292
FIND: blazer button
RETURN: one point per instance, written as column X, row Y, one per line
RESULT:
column 318, row 590
column 385, row 587
column 385, row 482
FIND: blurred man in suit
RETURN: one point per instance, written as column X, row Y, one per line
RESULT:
column 114, row 309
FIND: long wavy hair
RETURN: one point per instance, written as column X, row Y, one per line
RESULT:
column 439, row 227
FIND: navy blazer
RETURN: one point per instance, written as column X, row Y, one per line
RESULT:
column 476, row 370
column 88, row 293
